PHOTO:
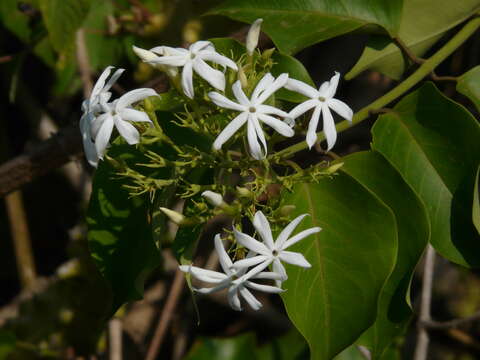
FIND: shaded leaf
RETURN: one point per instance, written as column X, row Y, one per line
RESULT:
column 7, row 343
column 476, row 204
column 13, row 20
column 469, row 85
column 419, row 30
column 294, row 25
column 435, row 145
column 351, row 258
column 394, row 312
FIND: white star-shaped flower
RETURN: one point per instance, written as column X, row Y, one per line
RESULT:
column 193, row 59
column 253, row 111
column 270, row 252
column 321, row 101
column 235, row 280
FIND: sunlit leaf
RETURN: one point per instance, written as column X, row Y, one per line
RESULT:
column 469, row 85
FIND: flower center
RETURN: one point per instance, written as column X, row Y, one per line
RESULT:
column 192, row 56
column 252, row 109
column 275, row 253
column 321, row 98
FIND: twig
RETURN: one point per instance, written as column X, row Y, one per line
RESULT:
column 365, row 352
column 21, row 239
column 115, row 339
column 431, row 324
column 166, row 315
column 435, row 77
column 421, row 348
column 83, row 62
column 407, row 52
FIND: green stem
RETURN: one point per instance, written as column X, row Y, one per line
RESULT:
column 424, row 70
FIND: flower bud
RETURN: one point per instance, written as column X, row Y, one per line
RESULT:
column 242, row 77
column 176, row 217
column 287, row 210
column 146, row 55
column 244, row 192
column 213, row 198
column 252, row 36
column 334, row 168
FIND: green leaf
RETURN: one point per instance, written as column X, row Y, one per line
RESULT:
column 476, row 204
column 419, row 30
column 351, row 258
column 295, row 69
column 62, row 18
column 394, row 312
column 435, row 145
column 7, row 343
column 13, row 20
column 294, row 25
column 469, row 85
column 229, row 47
column 120, row 235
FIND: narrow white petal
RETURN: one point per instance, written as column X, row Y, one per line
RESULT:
column 133, row 96
column 277, row 84
column 127, row 130
column 264, row 288
column 250, row 243
column 180, row 60
column 268, row 275
column 97, row 123
column 211, row 75
column 224, row 259
column 267, row 109
column 134, row 115
column 322, row 90
column 222, row 285
column 260, row 134
column 113, row 79
column 208, row 276
column 329, row 127
column 312, row 127
column 103, row 136
column 302, row 108
column 217, row 59
column 233, row 299
column 340, row 108
column 262, row 226
column 285, row 234
column 300, row 236
column 255, row 149
column 89, row 147
column 279, row 126
column 101, row 82
column 187, row 80
column 294, row 259
column 332, row 86
column 248, row 262
column 264, row 83
column 279, row 269
column 239, row 94
column 229, row 130
column 256, row 270
column 302, row 88
column 199, row 45
column 224, row 102
column 250, row 299
column 169, row 51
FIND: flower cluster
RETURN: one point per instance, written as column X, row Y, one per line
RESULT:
column 238, row 276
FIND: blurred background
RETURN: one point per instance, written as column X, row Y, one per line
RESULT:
column 53, row 301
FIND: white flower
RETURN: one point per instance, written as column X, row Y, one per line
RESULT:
column 193, row 59
column 252, row 111
column 213, row 198
column 271, row 252
column 321, row 100
column 119, row 113
column 252, row 36
column 91, row 107
column 236, row 282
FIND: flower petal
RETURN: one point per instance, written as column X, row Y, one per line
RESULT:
column 211, row 75
column 103, row 136
column 224, row 102
column 302, row 108
column 199, row 45
column 285, row 234
column 332, row 86
column 101, row 82
column 279, row 126
column 229, row 130
column 277, row 84
column 250, row 243
column 132, row 97
column 260, row 134
column 264, row 83
column 233, row 299
column 134, row 115
column 217, row 59
column 265, row 288
column 300, row 236
column 329, row 127
column 255, row 149
column 302, row 88
column 340, row 108
column 279, row 269
column 248, row 262
column 113, row 79
column 203, row 274
column 177, row 60
column 312, row 127
column 267, row 109
column 256, row 270
column 250, row 299
column 222, row 285
column 224, row 259
column 127, row 130
column 268, row 275
column 97, row 123
column 239, row 94
column 262, row 226
column 187, row 80
column 169, row 51
column 294, row 259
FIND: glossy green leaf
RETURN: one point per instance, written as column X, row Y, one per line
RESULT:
column 13, row 20
column 394, row 312
column 119, row 232
column 435, row 144
column 419, row 30
column 476, row 203
column 336, row 300
column 62, row 18
column 469, row 85
column 287, row 64
column 229, row 47
column 294, row 24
